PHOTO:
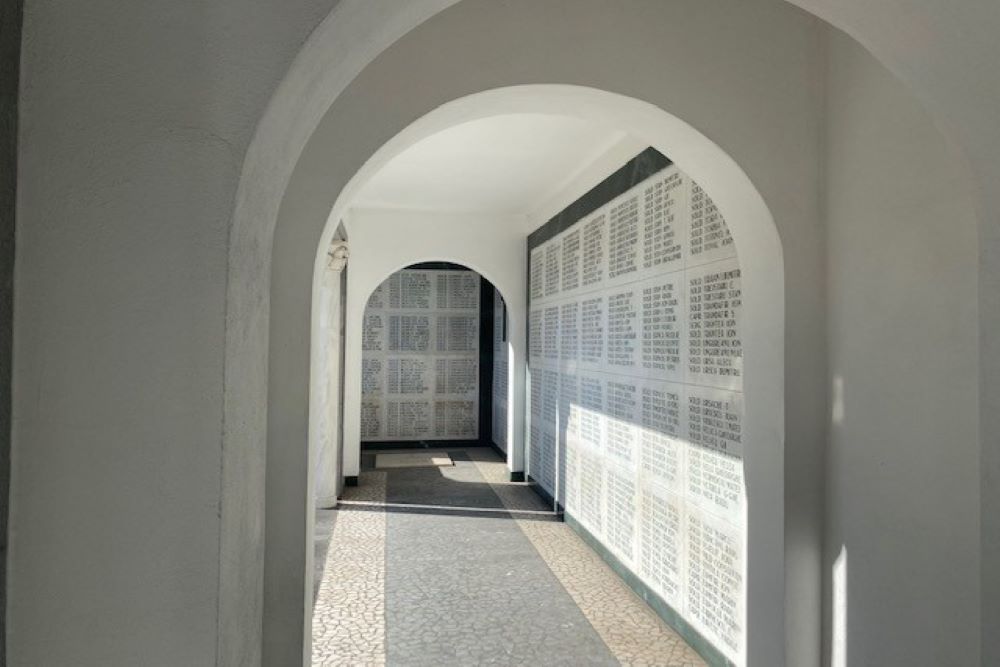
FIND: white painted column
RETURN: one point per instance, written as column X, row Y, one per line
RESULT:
column 327, row 464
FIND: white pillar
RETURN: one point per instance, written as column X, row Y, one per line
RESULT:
column 327, row 465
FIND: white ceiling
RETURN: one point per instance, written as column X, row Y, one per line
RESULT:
column 508, row 165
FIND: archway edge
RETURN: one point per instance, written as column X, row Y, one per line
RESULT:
column 369, row 287
column 386, row 269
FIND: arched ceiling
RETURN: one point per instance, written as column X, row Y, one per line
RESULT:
column 506, row 164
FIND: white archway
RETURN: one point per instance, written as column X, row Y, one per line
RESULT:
column 348, row 40
column 751, row 222
column 438, row 245
column 760, row 254
column 287, row 421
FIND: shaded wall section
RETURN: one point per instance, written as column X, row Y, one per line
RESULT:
column 10, row 64
column 903, row 498
column 134, row 120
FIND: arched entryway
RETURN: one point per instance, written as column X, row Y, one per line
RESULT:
column 777, row 178
column 740, row 203
column 435, row 234
column 736, row 197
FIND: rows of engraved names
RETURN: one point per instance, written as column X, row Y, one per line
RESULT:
column 708, row 296
column 667, row 223
column 687, row 439
column 420, row 357
column 427, row 290
column 683, row 326
column 635, row 346
column 691, row 558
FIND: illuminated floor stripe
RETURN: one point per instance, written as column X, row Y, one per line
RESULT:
column 349, row 615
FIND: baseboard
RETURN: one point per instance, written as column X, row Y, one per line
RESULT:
column 499, row 452
column 326, row 503
column 543, row 494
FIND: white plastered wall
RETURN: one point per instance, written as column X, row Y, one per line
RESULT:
column 326, row 427
column 902, row 498
column 135, row 120
column 492, row 245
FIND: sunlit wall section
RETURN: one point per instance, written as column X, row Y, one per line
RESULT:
column 635, row 396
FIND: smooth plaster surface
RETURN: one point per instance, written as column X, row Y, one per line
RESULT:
column 946, row 54
column 134, row 121
column 903, row 461
column 497, row 165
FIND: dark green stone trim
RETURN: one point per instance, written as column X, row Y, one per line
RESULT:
column 517, row 477
column 695, row 640
column 633, row 172
column 543, row 494
column 496, row 448
column 420, row 444
column 436, row 266
column 351, row 480
column 11, row 13
column 485, row 361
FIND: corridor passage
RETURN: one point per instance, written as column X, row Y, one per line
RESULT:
column 451, row 564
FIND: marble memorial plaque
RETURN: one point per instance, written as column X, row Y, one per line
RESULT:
column 420, row 357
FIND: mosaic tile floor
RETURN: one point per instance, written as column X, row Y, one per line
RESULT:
column 457, row 566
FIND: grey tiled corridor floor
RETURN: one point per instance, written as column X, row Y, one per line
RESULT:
column 480, row 573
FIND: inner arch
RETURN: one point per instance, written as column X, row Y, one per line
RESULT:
column 741, row 205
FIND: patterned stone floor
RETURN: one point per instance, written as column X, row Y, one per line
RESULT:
column 455, row 565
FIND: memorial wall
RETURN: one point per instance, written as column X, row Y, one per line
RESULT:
column 635, row 393
column 501, row 355
column 420, row 357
